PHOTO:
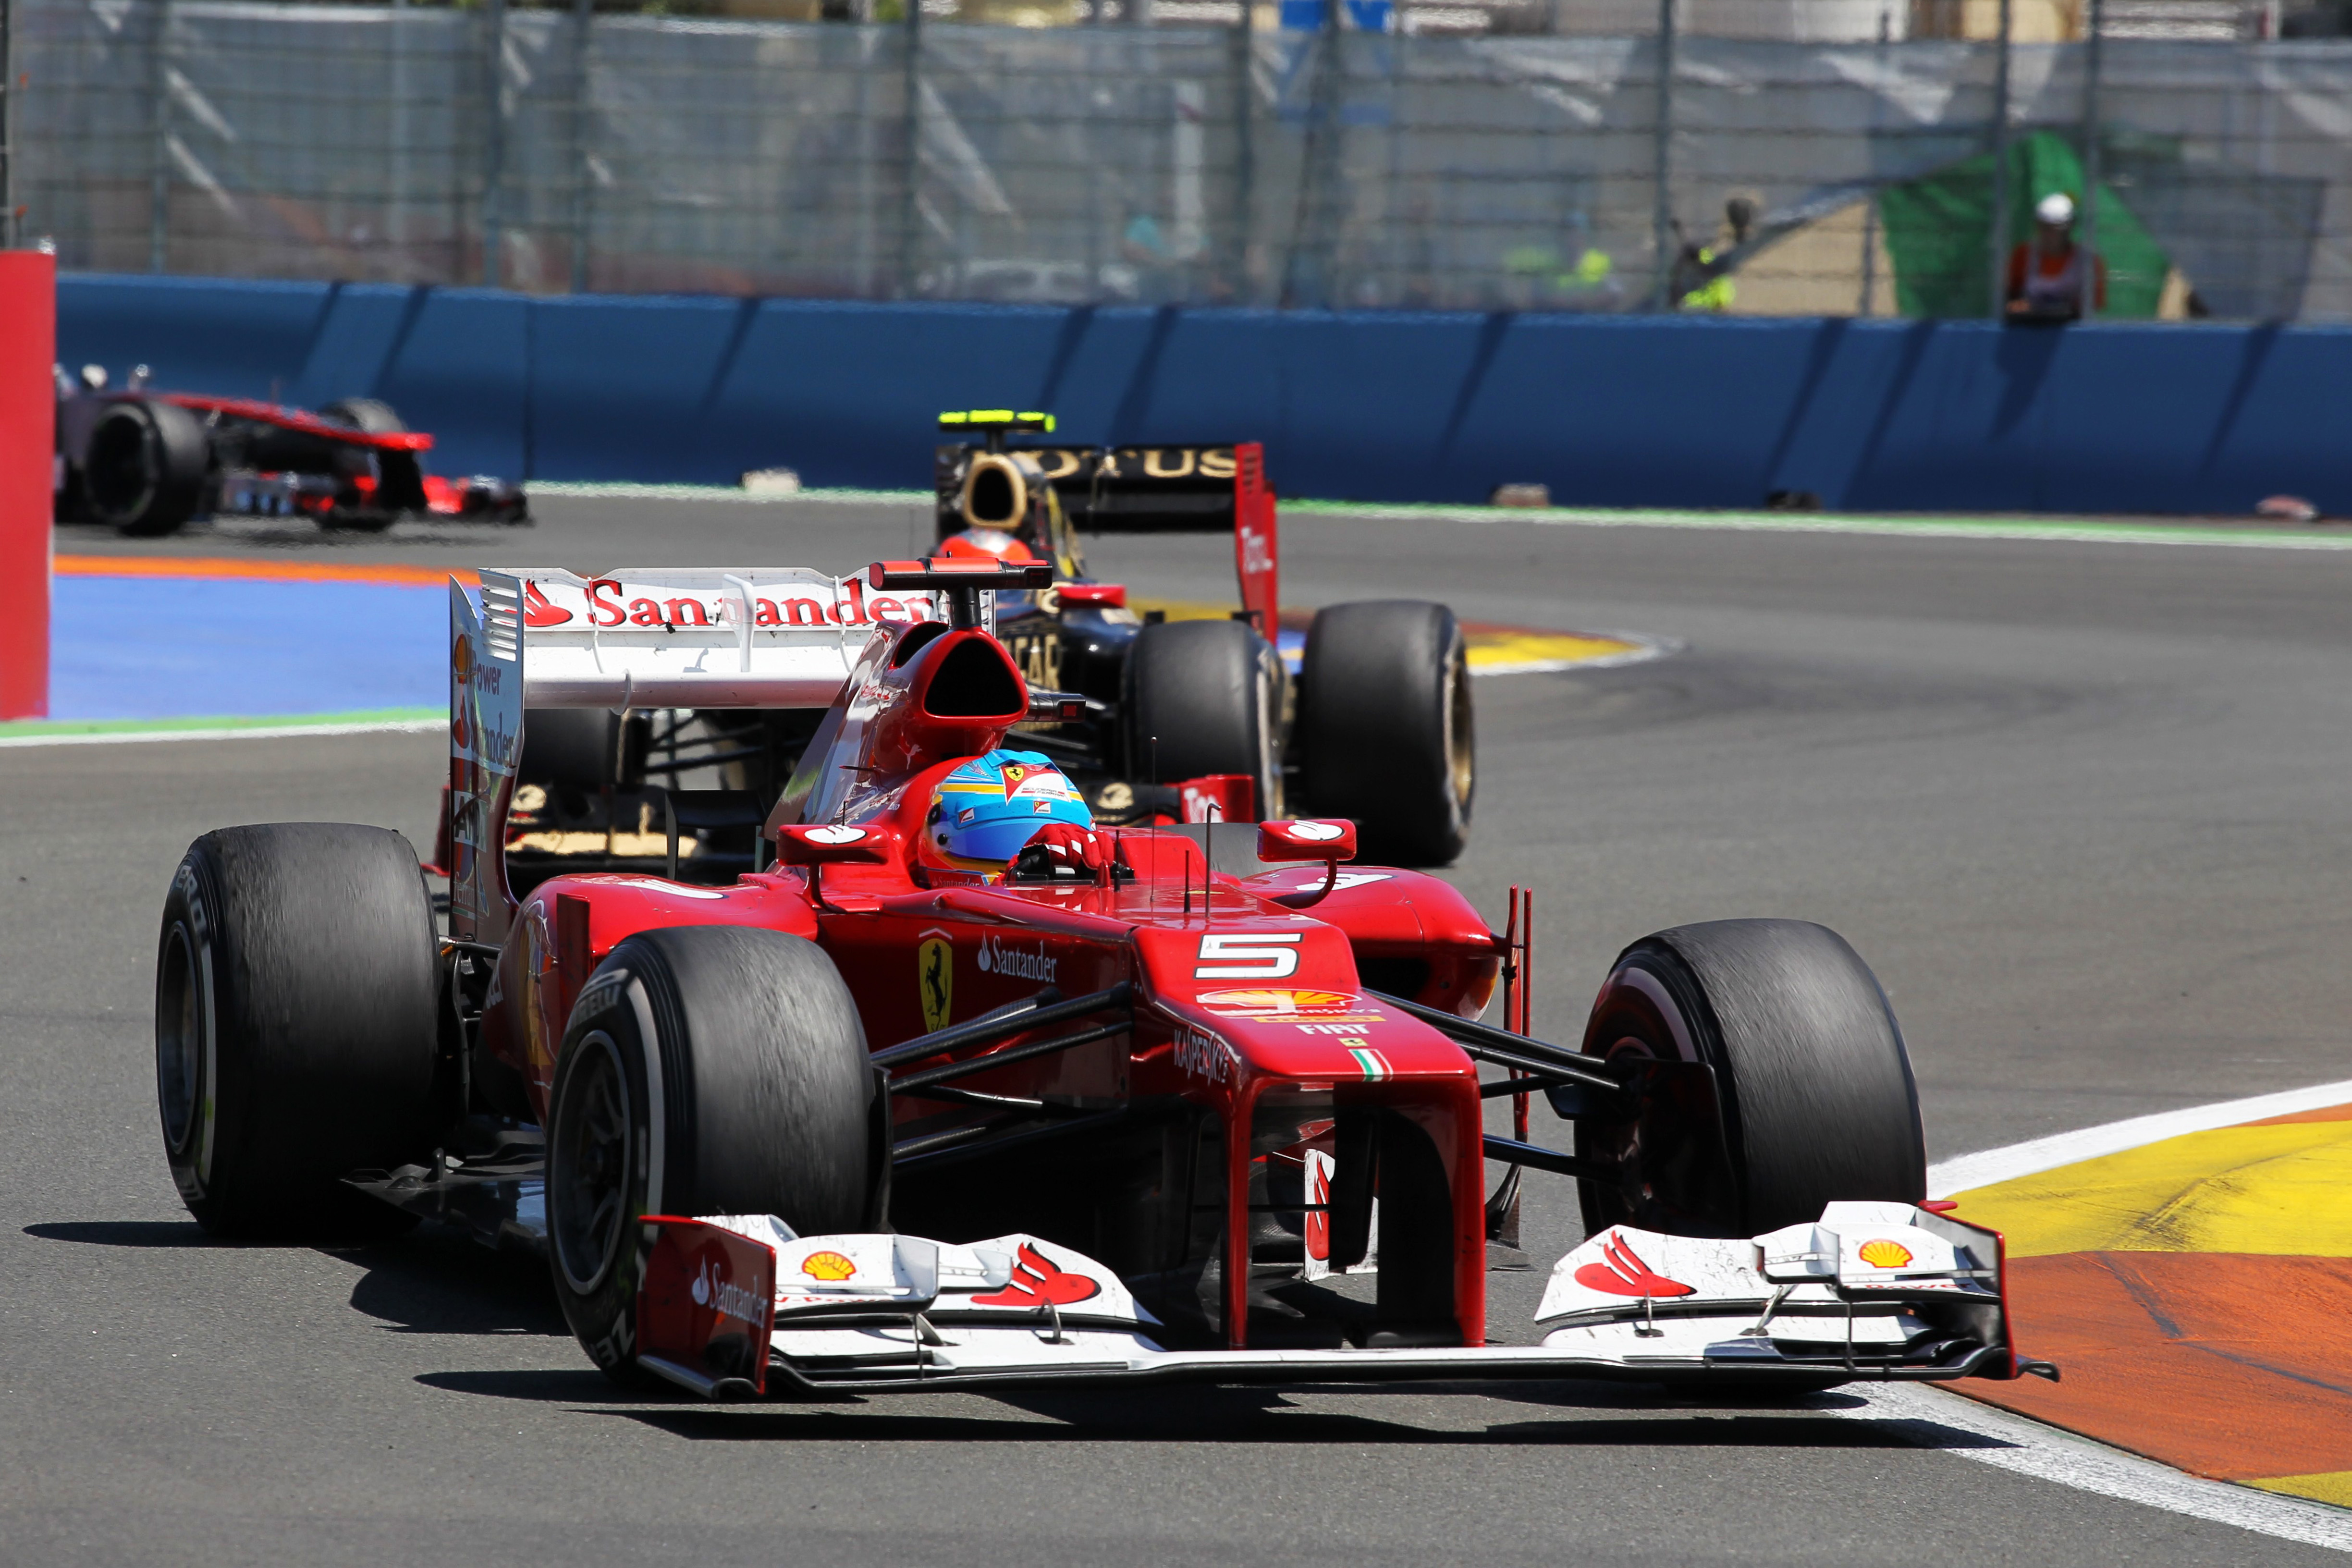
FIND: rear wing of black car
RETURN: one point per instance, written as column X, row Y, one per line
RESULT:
column 1214, row 487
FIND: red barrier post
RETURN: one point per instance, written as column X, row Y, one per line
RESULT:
column 28, row 408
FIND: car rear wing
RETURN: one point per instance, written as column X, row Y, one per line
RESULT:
column 637, row 638
column 1213, row 488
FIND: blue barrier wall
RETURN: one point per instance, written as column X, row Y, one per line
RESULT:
column 1608, row 411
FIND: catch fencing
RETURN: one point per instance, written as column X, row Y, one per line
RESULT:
column 565, row 151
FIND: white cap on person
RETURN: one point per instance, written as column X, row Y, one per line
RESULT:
column 2057, row 208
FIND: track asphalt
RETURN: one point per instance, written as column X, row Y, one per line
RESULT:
column 2078, row 803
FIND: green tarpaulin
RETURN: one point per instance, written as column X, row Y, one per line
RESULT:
column 1937, row 228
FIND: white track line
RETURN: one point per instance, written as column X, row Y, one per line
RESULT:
column 1989, row 1435
column 227, row 732
column 1971, row 1171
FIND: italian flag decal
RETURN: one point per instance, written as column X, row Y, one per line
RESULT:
column 1376, row 1066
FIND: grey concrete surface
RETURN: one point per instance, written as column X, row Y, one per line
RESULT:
column 2080, row 806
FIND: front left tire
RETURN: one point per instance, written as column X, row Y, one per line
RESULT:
column 704, row 1070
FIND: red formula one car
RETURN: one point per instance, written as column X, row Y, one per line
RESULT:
column 146, row 462
column 882, row 1114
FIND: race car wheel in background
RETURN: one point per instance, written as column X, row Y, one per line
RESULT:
column 580, row 751
column 364, row 414
column 1205, row 697
column 295, row 1024
column 1384, row 733
column 1817, row 1097
column 400, row 482
column 706, row 1070
column 145, row 468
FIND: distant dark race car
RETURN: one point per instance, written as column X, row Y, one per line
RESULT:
column 145, row 462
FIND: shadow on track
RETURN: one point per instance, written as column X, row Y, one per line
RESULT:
column 144, row 1234
column 450, row 1284
column 1187, row 1421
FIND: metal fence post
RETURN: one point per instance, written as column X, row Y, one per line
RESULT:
column 912, row 217
column 1306, row 271
column 2091, row 160
column 1244, row 156
column 159, row 174
column 1869, row 201
column 583, row 16
column 395, row 216
column 494, row 139
column 1662, row 217
column 8, row 220
column 1997, row 242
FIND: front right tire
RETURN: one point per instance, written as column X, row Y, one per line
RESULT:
column 1817, row 1099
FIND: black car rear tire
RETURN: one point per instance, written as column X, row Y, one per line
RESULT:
column 1205, row 697
column 705, row 1070
column 1385, row 732
column 297, row 990
column 1817, row 1099
column 145, row 468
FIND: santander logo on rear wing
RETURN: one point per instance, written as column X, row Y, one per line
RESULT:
column 640, row 637
column 694, row 638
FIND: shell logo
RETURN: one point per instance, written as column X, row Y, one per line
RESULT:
column 834, row 1266
column 1261, row 1001
column 1885, row 1254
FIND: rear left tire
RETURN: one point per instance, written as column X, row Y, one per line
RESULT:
column 145, row 468
column 297, row 990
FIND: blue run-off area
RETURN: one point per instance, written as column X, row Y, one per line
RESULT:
column 174, row 648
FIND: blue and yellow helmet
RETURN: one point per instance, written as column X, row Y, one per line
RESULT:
column 987, row 808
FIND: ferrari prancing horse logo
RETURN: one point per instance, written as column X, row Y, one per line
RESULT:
column 935, row 978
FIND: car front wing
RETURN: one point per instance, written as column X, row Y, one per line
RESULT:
column 738, row 1306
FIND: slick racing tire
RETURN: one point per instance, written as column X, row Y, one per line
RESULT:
column 706, row 1070
column 1385, row 733
column 1205, row 697
column 145, row 468
column 1817, row 1098
column 400, row 487
column 297, row 990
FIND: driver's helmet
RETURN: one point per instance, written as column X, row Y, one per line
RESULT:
column 984, row 810
column 977, row 543
column 994, row 544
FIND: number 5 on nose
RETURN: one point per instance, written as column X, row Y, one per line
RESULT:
column 1249, row 955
